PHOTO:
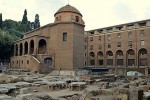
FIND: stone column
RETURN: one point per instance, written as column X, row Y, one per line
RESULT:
column 18, row 49
column 14, row 50
column 23, row 51
column 28, row 48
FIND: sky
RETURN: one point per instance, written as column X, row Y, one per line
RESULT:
column 96, row 13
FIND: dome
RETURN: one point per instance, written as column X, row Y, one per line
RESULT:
column 68, row 8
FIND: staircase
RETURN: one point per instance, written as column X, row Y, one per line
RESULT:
column 41, row 67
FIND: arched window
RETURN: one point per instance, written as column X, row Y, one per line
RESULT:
column 92, row 58
column 119, row 58
column 130, row 52
column 42, row 46
column 119, row 53
column 143, row 51
column 100, row 54
column 130, row 57
column 26, row 48
column 92, row 54
column 21, row 49
column 142, row 57
column 31, row 47
column 100, row 58
column 109, row 53
column 77, row 18
column 48, row 61
column 16, row 53
column 109, row 58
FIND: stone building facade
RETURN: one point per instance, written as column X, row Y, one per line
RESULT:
column 58, row 45
column 64, row 45
column 120, row 48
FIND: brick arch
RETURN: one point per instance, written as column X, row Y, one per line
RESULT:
column 26, row 47
column 92, row 58
column 119, row 58
column 142, row 57
column 109, row 57
column 130, row 57
column 31, row 46
column 21, row 49
column 42, row 46
column 48, row 61
column 100, row 58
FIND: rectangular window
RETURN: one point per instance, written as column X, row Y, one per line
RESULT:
column 92, row 62
column 129, row 34
column 84, row 62
column 141, row 32
column 119, row 35
column 65, row 36
column 130, row 44
column 142, row 42
column 109, row 61
column 84, row 54
column 91, row 38
column 27, row 61
column 109, row 45
column 99, row 38
column 119, row 44
column 85, row 47
column 100, row 46
column 100, row 62
column 109, row 37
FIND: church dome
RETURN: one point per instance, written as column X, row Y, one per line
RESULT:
column 68, row 8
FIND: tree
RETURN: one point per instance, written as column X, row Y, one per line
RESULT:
column 36, row 21
column 24, row 22
column 24, row 19
column 6, row 45
column 10, row 24
column 1, row 21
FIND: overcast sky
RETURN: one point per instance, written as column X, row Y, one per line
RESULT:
column 96, row 13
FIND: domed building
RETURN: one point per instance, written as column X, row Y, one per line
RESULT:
column 58, row 45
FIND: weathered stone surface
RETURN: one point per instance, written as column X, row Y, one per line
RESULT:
column 44, row 97
column 5, row 97
column 26, row 97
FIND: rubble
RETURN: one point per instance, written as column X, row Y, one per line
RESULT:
column 31, row 86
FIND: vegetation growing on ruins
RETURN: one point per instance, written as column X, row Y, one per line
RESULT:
column 11, row 31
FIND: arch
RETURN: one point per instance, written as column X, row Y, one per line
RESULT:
column 42, row 46
column 143, row 51
column 77, row 18
column 109, row 55
column 119, row 53
column 48, row 61
column 31, row 47
column 130, row 57
column 130, row 52
column 100, row 54
column 142, row 57
column 92, row 58
column 26, row 48
column 21, row 49
column 16, row 48
column 100, row 58
column 119, row 58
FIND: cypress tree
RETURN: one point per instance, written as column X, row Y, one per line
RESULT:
column 1, row 21
column 24, row 19
column 36, row 21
